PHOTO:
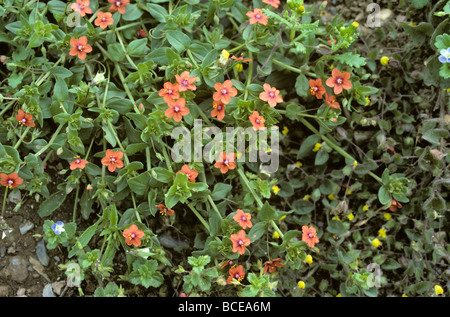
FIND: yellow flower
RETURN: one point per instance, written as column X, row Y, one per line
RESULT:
column 268, row 150
column 238, row 155
column 339, row 295
column 299, row 164
column 349, row 192
column 382, row 233
column 336, row 218
column 331, row 66
column 225, row 54
column 387, row 216
column 309, row 259
column 307, row 197
column 412, row 23
column 282, row 218
column 404, row 295
column 285, row 130
column 438, row 289
column 331, row 197
column 350, row 216
column 275, row 189
column 355, row 163
column 317, row 147
column 384, row 60
column 301, row 285
column 367, row 101
column 239, row 68
column 365, row 208
column 376, row 243
column 355, row 24
column 276, row 235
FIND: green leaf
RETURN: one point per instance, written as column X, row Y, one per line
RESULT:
column 116, row 52
column 162, row 175
column 137, row 47
column 52, row 203
column 267, row 212
column 158, row 12
column 336, row 227
column 418, row 4
column 220, row 191
column 257, row 230
column 302, row 85
column 178, row 40
column 350, row 59
column 132, row 13
column 61, row 72
column 384, row 196
column 140, row 184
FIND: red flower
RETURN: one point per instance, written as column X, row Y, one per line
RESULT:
column 177, row 109
column 78, row 163
column 80, row 47
column 316, row 88
column 164, row 210
column 394, row 205
column 309, row 236
column 11, row 181
column 331, row 101
column 103, row 19
column 236, row 273
column 241, row 58
column 141, row 33
column 218, row 111
column 186, row 82
column 25, row 119
column 339, row 81
column 225, row 162
column 118, row 5
column 82, row 7
column 133, row 236
column 113, row 160
column 243, row 219
column 191, row 174
column 224, row 92
column 169, row 92
column 257, row 17
column 257, row 121
column 271, row 95
column 273, row 3
column 272, row 265
column 240, row 241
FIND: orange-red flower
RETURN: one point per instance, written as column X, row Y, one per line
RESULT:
column 339, row 81
column 80, row 47
column 257, row 16
column 224, row 92
column 118, row 5
column 11, row 181
column 169, row 92
column 82, row 7
column 113, row 160
column 316, row 88
column 273, row 3
column 241, row 58
column 141, row 33
column 272, row 265
column 219, row 110
column 331, row 101
column 394, row 205
column 185, row 81
column 104, row 19
column 133, row 235
column 177, row 109
column 191, row 174
column 240, row 241
column 164, row 210
column 25, row 119
column 243, row 218
column 257, row 121
column 225, row 162
column 78, row 163
column 236, row 273
column 228, row 262
column 309, row 236
column 271, row 95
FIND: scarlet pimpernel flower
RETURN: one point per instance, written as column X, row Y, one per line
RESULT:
column 273, row 3
column 309, row 236
column 169, row 92
column 78, row 163
column 224, row 92
column 243, row 219
column 236, row 273
column 118, row 5
column 104, row 19
column 133, row 235
column 339, row 81
column 225, row 162
column 177, row 109
column 186, row 81
column 163, row 210
column 271, row 95
column 241, row 58
column 11, row 181
column 316, row 88
column 82, row 7
column 80, row 47
column 331, row 101
column 218, row 111
column 25, row 119
column 257, row 16
column 240, row 241
column 113, row 160
column 257, row 121
column 272, row 265
column 191, row 174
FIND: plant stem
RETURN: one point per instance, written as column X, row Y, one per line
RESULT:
column 22, row 137
column 75, row 204
column 4, row 201
column 199, row 216
column 249, row 76
column 51, row 141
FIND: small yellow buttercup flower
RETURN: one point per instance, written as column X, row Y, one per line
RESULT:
column 336, row 218
column 350, row 216
column 225, row 54
column 382, row 233
column 331, row 197
column 404, row 295
column 239, row 68
column 365, row 208
column 339, row 295
column 282, row 218
column 301, row 285
column 367, row 101
column 355, row 163
column 438, row 289
column 299, row 164
column 307, row 197
column 376, row 243
column 269, row 150
column 355, row 24
column 349, row 192
column 309, row 259
column 317, row 147
column 387, row 216
column 275, row 189
column 384, row 60
column 285, row 130
column 276, row 235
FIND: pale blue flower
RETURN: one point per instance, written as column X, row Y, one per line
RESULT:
column 445, row 56
column 58, row 227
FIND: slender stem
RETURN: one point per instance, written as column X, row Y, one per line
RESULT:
column 147, row 155
column 214, row 207
column 199, row 216
column 118, row 141
column 45, row 75
column 22, row 137
column 4, row 201
column 119, row 37
column 294, row 69
column 75, row 204
column 51, row 141
column 166, row 156
column 249, row 76
column 192, row 58
column 9, row 105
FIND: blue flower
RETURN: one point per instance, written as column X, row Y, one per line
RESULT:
column 445, row 56
column 58, row 227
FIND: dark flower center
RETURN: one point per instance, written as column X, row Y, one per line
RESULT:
column 176, row 109
column 80, row 47
column 311, row 235
column 112, row 159
column 271, row 94
column 185, row 82
column 339, row 81
column 240, row 242
column 223, row 91
column 133, row 235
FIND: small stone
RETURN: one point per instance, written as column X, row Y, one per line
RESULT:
column 41, row 253
column 17, row 269
column 15, row 197
column 57, row 287
column 48, row 291
column 4, row 290
column 25, row 227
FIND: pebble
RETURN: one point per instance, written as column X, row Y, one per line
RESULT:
column 4, row 290
column 17, row 269
column 48, row 291
column 15, row 197
column 41, row 253
column 25, row 227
